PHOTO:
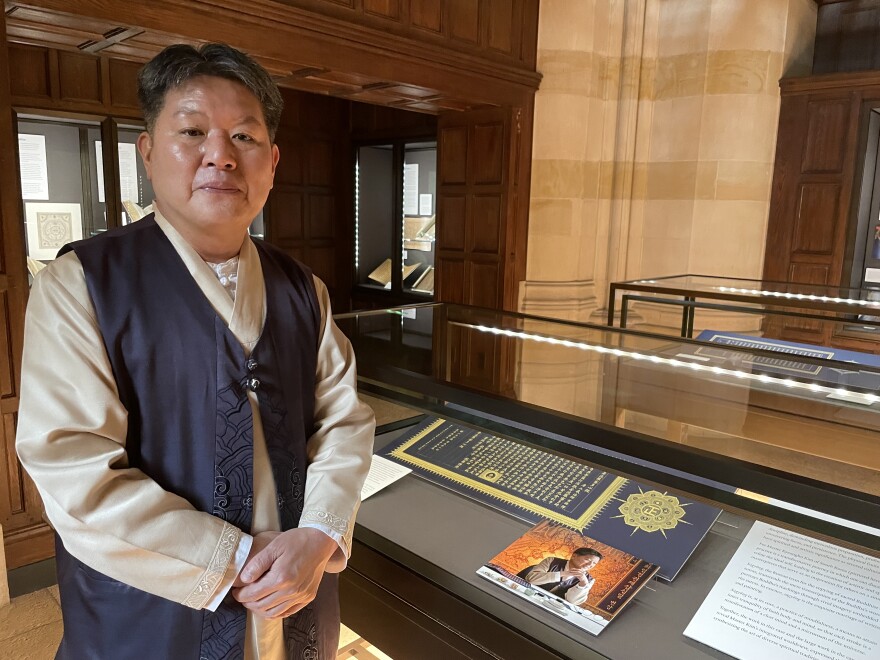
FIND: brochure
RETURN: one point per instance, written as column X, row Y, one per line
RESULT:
column 570, row 575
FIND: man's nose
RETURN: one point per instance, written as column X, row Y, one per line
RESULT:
column 219, row 152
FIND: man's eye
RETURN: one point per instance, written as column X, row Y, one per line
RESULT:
column 191, row 132
column 244, row 137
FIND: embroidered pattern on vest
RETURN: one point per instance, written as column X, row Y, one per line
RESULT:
column 289, row 482
column 301, row 635
column 223, row 631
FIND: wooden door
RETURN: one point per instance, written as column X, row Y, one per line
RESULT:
column 810, row 205
column 27, row 537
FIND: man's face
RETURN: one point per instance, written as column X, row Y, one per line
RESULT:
column 585, row 562
column 209, row 156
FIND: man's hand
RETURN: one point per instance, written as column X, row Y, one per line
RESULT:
column 573, row 573
column 283, row 576
column 260, row 541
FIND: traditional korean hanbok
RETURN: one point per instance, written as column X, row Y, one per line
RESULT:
column 169, row 410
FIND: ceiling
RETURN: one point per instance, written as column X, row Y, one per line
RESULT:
column 51, row 29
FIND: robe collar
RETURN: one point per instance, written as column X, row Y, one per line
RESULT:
column 246, row 315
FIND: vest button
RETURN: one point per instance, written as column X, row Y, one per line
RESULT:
column 251, row 364
column 252, row 384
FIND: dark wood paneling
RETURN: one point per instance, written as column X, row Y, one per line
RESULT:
column 123, row 83
column 827, row 128
column 489, row 144
column 452, row 143
column 286, row 209
column 7, row 375
column 484, row 284
column 450, row 280
column 383, row 8
column 502, row 26
column 426, row 14
column 27, row 537
column 452, row 209
column 31, row 65
column 321, row 217
column 320, row 165
column 814, row 221
column 485, row 230
column 80, row 77
column 464, row 20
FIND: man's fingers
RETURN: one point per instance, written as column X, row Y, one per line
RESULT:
column 257, row 565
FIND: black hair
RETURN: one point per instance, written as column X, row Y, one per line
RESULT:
column 580, row 552
column 179, row 63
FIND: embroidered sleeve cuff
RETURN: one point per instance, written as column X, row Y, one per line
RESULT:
column 226, row 548
column 337, row 528
column 232, row 571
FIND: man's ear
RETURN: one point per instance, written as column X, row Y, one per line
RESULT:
column 145, row 147
column 276, row 155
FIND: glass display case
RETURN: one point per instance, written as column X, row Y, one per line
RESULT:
column 64, row 185
column 395, row 205
column 772, row 306
column 797, row 448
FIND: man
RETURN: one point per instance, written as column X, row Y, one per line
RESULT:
column 188, row 407
column 568, row 579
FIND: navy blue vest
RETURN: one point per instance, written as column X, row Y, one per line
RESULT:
column 183, row 378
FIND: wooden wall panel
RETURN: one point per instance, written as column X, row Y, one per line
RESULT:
column 322, row 214
column 450, row 279
column 123, row 83
column 464, row 20
column 485, row 227
column 31, row 65
column 308, row 213
column 827, row 129
column 489, row 146
column 384, row 8
column 7, row 374
column 320, row 165
column 483, row 280
column 501, row 26
column 27, row 537
column 80, row 77
column 287, row 202
column 453, row 154
column 62, row 81
column 451, row 230
column 426, row 14
column 818, row 206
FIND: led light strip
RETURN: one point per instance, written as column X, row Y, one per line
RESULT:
column 357, row 216
column 672, row 362
column 799, row 296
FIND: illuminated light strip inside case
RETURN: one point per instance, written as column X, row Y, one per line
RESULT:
column 672, row 362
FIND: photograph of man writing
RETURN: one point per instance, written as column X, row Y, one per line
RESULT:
column 566, row 578
column 189, row 410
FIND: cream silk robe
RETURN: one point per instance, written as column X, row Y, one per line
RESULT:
column 71, row 440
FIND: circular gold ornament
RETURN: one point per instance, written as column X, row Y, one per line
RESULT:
column 652, row 511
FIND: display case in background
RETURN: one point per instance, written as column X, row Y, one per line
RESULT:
column 395, row 204
column 65, row 184
column 787, row 448
column 816, row 314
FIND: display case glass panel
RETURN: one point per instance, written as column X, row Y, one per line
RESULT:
column 786, row 443
column 395, row 204
column 58, row 175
